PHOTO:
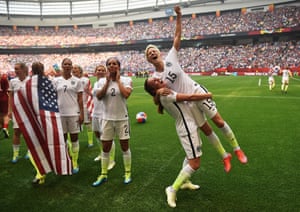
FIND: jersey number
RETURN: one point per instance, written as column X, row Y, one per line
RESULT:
column 65, row 88
column 171, row 77
column 113, row 92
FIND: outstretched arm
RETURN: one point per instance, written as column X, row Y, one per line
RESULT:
column 177, row 36
column 180, row 97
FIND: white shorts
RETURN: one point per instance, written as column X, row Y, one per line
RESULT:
column 285, row 80
column 97, row 124
column 271, row 81
column 70, row 124
column 86, row 115
column 199, row 115
column 111, row 129
column 208, row 106
column 192, row 145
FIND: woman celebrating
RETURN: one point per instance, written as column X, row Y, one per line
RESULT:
column 114, row 91
column 69, row 94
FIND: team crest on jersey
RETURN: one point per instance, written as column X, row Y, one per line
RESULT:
column 72, row 82
column 168, row 64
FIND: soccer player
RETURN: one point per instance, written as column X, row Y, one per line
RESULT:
column 4, row 100
column 97, row 114
column 78, row 72
column 271, row 80
column 169, row 70
column 177, row 106
column 15, row 84
column 70, row 104
column 286, row 73
column 114, row 90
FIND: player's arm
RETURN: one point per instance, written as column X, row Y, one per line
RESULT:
column 10, row 103
column 103, row 89
column 177, row 36
column 124, row 89
column 180, row 97
column 80, row 103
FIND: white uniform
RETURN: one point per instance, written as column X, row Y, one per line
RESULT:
column 15, row 85
column 67, row 98
column 271, row 78
column 97, row 113
column 285, row 76
column 186, row 126
column 85, row 82
column 115, row 114
column 179, row 81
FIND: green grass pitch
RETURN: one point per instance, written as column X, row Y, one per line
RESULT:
column 266, row 124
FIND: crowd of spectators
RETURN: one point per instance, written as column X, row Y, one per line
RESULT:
column 197, row 59
column 202, row 24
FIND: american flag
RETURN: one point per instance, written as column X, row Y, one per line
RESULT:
column 90, row 102
column 36, row 111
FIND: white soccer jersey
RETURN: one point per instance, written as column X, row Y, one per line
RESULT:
column 85, row 83
column 175, row 77
column 98, row 104
column 16, row 84
column 285, row 75
column 181, row 112
column 115, row 107
column 67, row 95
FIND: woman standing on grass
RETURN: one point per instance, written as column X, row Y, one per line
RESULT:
column 4, row 100
column 97, row 115
column 16, row 84
column 114, row 90
column 186, row 127
column 69, row 94
column 169, row 70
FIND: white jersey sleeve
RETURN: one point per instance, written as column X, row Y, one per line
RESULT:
column 180, row 111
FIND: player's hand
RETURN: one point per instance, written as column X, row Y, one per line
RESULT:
column 164, row 91
column 177, row 10
column 9, row 114
column 209, row 95
column 80, row 120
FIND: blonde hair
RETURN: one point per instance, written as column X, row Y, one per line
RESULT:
column 149, row 47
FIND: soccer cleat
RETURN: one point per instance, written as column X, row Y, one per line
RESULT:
column 171, row 197
column 100, row 180
column 75, row 170
column 241, row 156
column 111, row 165
column 97, row 158
column 39, row 180
column 127, row 178
column 227, row 164
column 5, row 131
column 189, row 185
column 15, row 159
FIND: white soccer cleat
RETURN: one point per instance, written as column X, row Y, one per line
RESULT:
column 98, row 158
column 189, row 185
column 171, row 196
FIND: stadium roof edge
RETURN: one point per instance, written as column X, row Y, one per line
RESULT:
column 130, row 15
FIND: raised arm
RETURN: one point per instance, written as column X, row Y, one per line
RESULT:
column 177, row 36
